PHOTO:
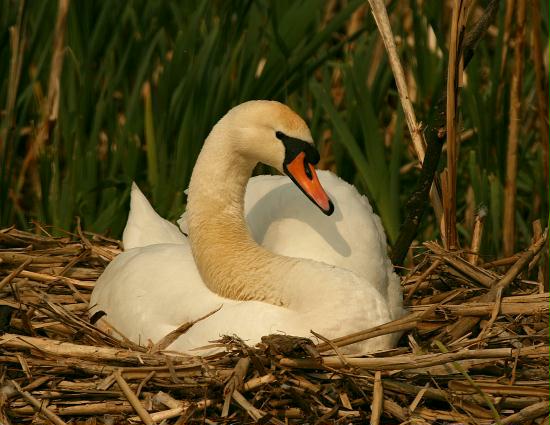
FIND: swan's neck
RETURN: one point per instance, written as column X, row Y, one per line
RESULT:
column 230, row 262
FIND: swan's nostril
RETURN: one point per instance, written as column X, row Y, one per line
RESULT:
column 307, row 168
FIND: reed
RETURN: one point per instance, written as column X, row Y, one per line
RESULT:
column 510, row 188
column 59, row 367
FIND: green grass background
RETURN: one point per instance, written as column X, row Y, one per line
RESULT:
column 200, row 58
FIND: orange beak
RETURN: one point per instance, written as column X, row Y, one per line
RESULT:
column 305, row 177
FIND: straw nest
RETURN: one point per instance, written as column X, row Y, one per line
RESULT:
column 474, row 350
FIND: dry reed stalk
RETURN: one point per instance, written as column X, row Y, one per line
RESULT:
column 454, row 76
column 527, row 414
column 383, row 23
column 68, row 349
column 421, row 279
column 465, row 324
column 510, row 188
column 481, row 276
column 377, row 399
column 473, row 255
column 508, row 306
column 510, row 10
column 14, row 273
column 40, row 407
column 501, row 262
column 537, row 234
column 396, row 410
column 168, row 339
column 405, row 323
column 541, row 84
column 17, row 44
column 255, row 414
column 41, row 277
column 133, row 399
column 78, row 385
column 404, row 362
column 234, row 383
column 254, row 383
column 50, row 109
column 175, row 412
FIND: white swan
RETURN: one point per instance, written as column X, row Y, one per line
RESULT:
column 328, row 274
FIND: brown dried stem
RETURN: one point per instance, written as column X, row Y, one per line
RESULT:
column 509, row 219
column 541, row 85
column 454, row 77
column 50, row 109
column 382, row 21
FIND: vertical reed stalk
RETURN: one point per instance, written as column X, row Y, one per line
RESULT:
column 541, row 85
column 50, row 110
column 510, row 187
column 510, row 9
column 473, row 256
column 150, row 142
column 17, row 41
column 454, row 76
column 383, row 23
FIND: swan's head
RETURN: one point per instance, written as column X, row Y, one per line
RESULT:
column 272, row 133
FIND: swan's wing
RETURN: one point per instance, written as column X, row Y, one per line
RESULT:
column 284, row 221
column 145, row 227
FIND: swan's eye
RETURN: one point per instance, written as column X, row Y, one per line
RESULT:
column 280, row 135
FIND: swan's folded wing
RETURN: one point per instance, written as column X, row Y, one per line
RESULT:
column 145, row 227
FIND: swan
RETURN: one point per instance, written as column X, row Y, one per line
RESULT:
column 255, row 250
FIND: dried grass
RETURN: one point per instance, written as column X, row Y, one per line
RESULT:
column 57, row 368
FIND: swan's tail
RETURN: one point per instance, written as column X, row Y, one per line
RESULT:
column 145, row 227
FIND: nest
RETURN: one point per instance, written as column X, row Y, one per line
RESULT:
column 474, row 350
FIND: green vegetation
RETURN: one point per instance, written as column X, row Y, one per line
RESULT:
column 143, row 82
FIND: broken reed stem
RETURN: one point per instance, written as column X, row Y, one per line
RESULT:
column 541, row 84
column 463, row 372
column 68, row 349
column 377, row 399
column 234, row 383
column 454, row 76
column 175, row 412
column 133, row 399
column 473, row 256
column 410, row 361
column 421, row 279
column 14, row 273
column 403, row 324
column 77, row 380
column 524, row 259
column 465, row 324
column 527, row 414
column 510, row 188
column 254, row 413
column 38, row 405
column 383, row 23
column 481, row 276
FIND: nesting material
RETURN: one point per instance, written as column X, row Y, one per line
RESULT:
column 474, row 350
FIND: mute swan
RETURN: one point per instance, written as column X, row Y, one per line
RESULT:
column 164, row 279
